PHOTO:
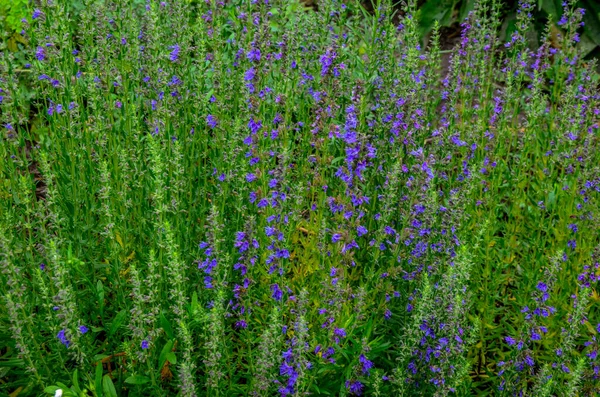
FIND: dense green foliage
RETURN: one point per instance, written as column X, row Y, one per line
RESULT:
column 251, row 198
column 448, row 12
column 13, row 12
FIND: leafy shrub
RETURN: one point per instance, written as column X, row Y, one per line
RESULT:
column 14, row 11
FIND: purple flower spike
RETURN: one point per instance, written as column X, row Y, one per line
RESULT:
column 63, row 338
column 174, row 56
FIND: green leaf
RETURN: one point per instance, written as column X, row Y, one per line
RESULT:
column 137, row 380
column 76, row 387
column 510, row 22
column 66, row 391
column 432, row 11
column 172, row 358
column 209, row 94
column 117, row 322
column 586, row 45
column 549, row 7
column 15, row 362
column 465, row 8
column 108, row 387
column 337, row 159
column 166, row 325
column 194, row 305
column 98, row 380
column 164, row 352
column 592, row 21
column 51, row 389
column 100, row 292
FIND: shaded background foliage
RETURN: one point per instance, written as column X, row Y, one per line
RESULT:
column 450, row 12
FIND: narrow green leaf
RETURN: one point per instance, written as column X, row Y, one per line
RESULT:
column 51, row 389
column 76, row 387
column 166, row 325
column 98, row 380
column 137, row 380
column 194, row 305
column 164, row 352
column 100, row 292
column 172, row 358
column 117, row 322
column 108, row 387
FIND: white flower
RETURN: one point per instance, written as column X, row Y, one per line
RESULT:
column 58, row 393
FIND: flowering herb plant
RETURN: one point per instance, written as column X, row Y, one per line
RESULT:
column 253, row 198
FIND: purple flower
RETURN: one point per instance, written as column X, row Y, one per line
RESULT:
column 145, row 344
column 250, row 74
column 83, row 329
column 366, row 364
column 254, row 125
column 252, row 197
column 211, row 121
column 562, row 20
column 62, row 338
column 40, row 54
column 36, row 14
column 278, row 119
column 327, row 61
column 341, row 332
column 174, row 56
column 253, row 55
column 336, row 237
column 529, row 361
column 361, row 230
column 388, row 314
column 355, row 387
column 277, row 293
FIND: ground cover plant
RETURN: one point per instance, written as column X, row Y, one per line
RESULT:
column 251, row 198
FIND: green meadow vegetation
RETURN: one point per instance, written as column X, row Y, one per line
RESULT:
column 257, row 198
